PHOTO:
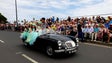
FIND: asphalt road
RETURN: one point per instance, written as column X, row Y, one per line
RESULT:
column 13, row 51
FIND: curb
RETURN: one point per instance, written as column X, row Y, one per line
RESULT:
column 100, row 43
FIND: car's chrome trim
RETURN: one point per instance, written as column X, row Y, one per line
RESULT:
column 74, row 49
column 62, row 50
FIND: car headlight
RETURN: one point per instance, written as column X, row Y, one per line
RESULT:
column 59, row 43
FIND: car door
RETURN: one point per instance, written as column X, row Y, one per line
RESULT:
column 41, row 41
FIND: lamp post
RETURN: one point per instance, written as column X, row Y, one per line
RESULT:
column 16, row 12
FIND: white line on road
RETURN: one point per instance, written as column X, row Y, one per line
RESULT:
column 30, row 59
column 2, row 41
column 97, row 45
column 18, row 52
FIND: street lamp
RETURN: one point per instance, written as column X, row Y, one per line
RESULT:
column 16, row 12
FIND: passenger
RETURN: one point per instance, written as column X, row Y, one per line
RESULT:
column 24, row 34
column 39, row 31
column 29, row 35
column 44, row 31
column 32, row 36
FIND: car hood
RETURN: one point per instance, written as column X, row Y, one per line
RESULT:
column 58, row 37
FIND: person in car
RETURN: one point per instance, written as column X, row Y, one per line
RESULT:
column 24, row 34
column 32, row 35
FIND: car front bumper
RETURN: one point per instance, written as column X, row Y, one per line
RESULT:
column 69, row 50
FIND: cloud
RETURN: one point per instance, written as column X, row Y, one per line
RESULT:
column 29, row 14
column 101, row 8
column 7, row 9
column 28, row 9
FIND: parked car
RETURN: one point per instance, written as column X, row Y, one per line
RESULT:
column 52, row 44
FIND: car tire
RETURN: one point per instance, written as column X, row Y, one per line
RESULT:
column 49, row 51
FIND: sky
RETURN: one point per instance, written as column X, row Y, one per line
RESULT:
column 29, row 9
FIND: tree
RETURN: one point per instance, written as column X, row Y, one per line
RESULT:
column 3, row 19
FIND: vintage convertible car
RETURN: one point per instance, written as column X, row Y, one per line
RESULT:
column 52, row 44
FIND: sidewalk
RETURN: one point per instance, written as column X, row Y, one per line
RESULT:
column 100, row 43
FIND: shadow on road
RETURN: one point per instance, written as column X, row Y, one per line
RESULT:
column 41, row 53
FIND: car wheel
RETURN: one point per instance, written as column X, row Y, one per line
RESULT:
column 49, row 51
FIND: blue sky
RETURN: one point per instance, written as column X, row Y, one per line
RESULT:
column 28, row 9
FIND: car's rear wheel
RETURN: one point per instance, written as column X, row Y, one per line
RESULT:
column 49, row 51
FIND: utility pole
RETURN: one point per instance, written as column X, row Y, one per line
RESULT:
column 16, row 12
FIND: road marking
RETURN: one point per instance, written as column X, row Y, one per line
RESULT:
column 2, row 41
column 30, row 59
column 97, row 45
column 18, row 52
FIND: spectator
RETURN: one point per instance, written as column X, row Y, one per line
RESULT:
column 69, row 18
column 110, row 20
column 98, row 19
column 85, row 30
column 110, row 33
column 73, row 31
column 53, row 19
column 80, row 33
column 90, row 31
column 95, row 33
column 106, row 24
column 57, row 19
column 95, row 27
column 105, row 34
column 100, row 33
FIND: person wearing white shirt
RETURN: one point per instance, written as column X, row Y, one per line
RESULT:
column 84, row 30
column 90, row 31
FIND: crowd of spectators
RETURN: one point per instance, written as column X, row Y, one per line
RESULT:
column 94, row 28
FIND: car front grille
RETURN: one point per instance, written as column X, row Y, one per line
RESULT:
column 69, row 45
